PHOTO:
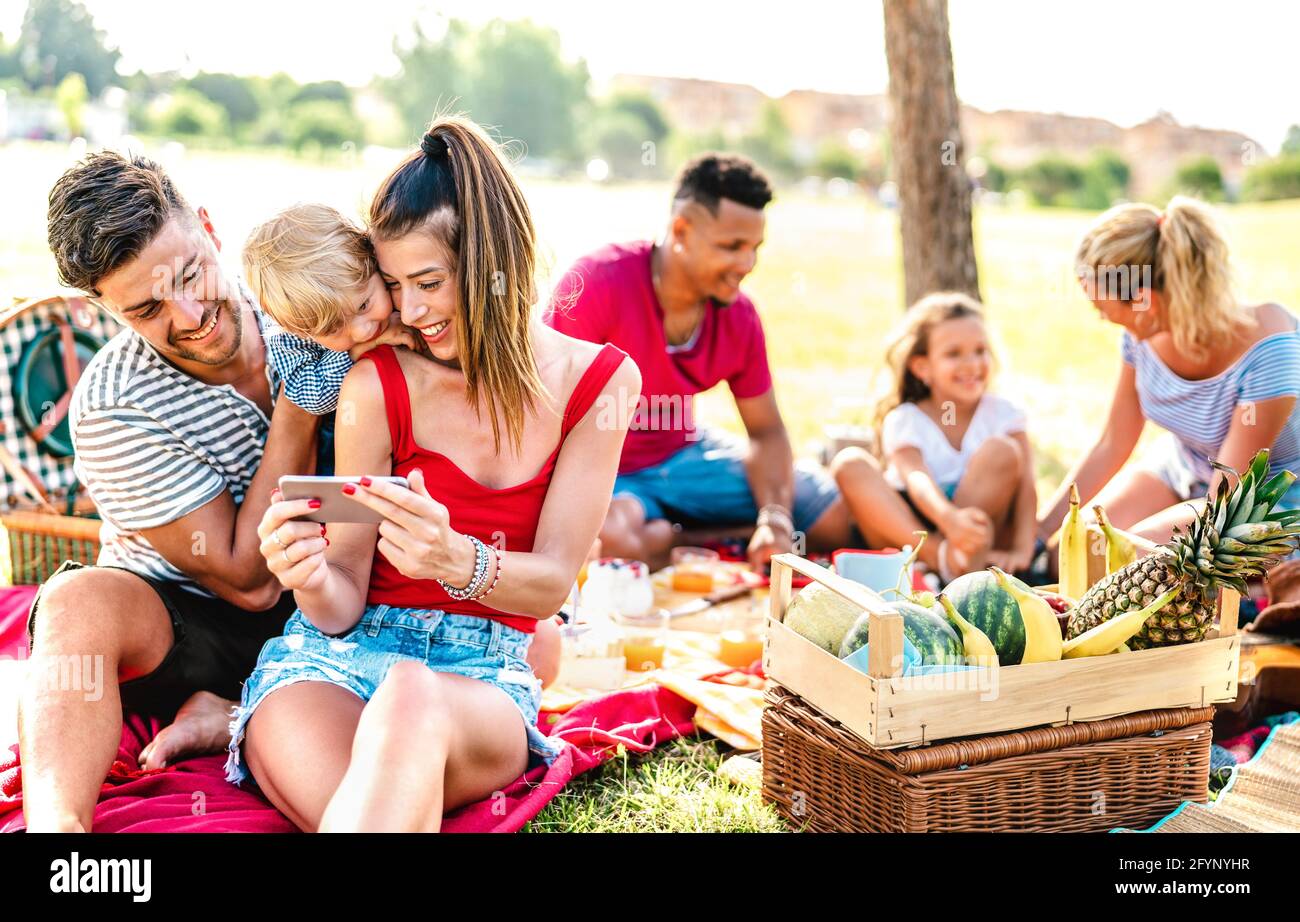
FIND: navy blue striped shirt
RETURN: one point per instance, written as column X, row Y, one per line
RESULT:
column 1199, row 413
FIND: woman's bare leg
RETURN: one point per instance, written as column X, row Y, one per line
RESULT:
column 1134, row 495
column 1160, row 527
column 297, row 745
column 428, row 742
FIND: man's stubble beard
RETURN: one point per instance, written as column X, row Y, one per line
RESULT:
column 235, row 313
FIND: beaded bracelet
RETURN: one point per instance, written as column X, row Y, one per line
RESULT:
column 475, row 587
column 496, row 577
column 775, row 513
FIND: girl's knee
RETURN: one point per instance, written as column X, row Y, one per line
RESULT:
column 410, row 698
column 1001, row 452
column 853, row 464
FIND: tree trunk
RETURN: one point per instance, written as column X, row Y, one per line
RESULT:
column 934, row 192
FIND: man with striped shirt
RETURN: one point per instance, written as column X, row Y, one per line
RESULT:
column 180, row 441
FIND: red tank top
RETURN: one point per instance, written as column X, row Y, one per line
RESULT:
column 509, row 514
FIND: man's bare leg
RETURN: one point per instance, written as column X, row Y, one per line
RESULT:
column 104, row 623
column 626, row 533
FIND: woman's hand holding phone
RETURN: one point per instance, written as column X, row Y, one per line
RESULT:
column 415, row 535
column 294, row 549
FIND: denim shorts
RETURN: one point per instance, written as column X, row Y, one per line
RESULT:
column 478, row 648
column 705, row 484
column 1169, row 462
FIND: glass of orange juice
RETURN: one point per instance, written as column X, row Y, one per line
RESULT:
column 741, row 642
column 644, row 637
column 693, row 569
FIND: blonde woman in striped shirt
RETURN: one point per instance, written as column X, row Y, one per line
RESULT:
column 1221, row 377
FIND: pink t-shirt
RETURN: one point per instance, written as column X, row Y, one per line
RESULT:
column 608, row 297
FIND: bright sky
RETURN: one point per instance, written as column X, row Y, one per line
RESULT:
column 1221, row 65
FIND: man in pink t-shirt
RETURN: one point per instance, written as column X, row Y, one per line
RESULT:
column 677, row 309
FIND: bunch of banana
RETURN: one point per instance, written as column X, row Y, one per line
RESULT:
column 1072, row 551
column 1120, row 551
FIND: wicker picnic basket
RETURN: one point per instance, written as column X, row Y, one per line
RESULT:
column 45, row 518
column 1082, row 777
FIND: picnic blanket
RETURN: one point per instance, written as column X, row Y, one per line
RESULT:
column 1262, row 796
column 193, row 795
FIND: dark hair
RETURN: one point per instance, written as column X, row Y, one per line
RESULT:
column 709, row 178
column 104, row 211
column 458, row 187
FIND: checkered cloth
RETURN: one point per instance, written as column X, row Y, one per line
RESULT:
column 18, row 327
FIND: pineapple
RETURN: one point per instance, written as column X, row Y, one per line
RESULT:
column 1236, row 536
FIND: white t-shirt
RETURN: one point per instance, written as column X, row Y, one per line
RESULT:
column 908, row 425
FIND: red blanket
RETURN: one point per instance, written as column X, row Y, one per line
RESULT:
column 193, row 796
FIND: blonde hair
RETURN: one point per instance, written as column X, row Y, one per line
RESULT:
column 458, row 188
column 1179, row 253
column 301, row 263
column 910, row 339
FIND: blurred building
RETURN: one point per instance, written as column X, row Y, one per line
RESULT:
column 1154, row 149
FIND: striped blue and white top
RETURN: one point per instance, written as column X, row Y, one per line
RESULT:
column 154, row 444
column 1199, row 413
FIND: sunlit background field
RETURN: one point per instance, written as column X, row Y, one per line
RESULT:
column 828, row 282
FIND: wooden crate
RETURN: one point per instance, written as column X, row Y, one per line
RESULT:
column 887, row 710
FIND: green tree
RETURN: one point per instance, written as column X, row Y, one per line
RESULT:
column 768, row 144
column 58, row 38
column 1052, row 180
column 1292, row 143
column 431, row 77
column 618, row 137
column 642, row 106
column 324, row 89
column 1200, row 176
column 323, row 123
column 230, row 91
column 1276, row 179
column 71, row 97
column 507, row 76
column 187, row 114
column 837, row 160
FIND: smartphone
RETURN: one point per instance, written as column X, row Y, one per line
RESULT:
column 334, row 505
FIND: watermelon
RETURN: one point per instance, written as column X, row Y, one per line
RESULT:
column 993, row 610
column 929, row 631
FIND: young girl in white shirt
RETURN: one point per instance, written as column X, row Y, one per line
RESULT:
column 956, row 459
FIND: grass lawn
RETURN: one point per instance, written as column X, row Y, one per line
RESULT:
column 828, row 286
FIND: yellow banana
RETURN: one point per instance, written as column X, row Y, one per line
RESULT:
column 1120, row 551
column 976, row 646
column 1072, row 551
column 1113, row 635
column 1042, row 629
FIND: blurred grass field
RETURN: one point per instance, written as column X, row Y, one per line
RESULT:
column 829, row 288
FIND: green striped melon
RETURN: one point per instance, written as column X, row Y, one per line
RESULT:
column 985, row 604
column 930, row 632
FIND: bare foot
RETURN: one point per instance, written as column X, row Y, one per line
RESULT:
column 201, row 727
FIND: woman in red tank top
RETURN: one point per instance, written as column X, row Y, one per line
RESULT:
column 397, row 690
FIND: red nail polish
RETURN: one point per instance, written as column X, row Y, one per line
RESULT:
column 313, row 503
column 349, row 488
column 322, row 531
column 327, row 542
column 365, row 481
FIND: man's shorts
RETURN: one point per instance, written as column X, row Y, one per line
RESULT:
column 214, row 646
column 705, row 484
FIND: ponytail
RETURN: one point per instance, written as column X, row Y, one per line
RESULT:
column 1180, row 253
column 458, row 187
